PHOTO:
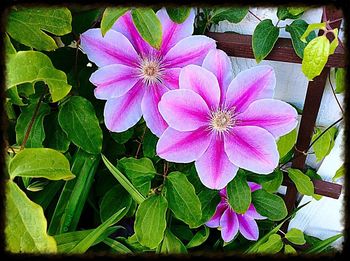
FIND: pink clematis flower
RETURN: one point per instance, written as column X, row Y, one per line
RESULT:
column 132, row 75
column 222, row 123
column 231, row 222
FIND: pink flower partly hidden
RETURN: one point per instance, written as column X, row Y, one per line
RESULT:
column 132, row 75
column 223, row 123
column 231, row 222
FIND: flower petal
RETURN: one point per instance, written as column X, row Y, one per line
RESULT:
column 184, row 110
column 214, row 221
column 111, row 49
column 125, row 25
column 229, row 225
column 190, row 50
column 276, row 116
column 248, row 227
column 219, row 64
column 174, row 32
column 182, row 147
column 251, row 212
column 149, row 106
column 254, row 186
column 170, row 78
column 214, row 168
column 113, row 81
column 250, row 85
column 201, row 81
column 252, row 148
column 124, row 112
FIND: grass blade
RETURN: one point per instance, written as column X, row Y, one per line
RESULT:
column 319, row 247
column 117, row 246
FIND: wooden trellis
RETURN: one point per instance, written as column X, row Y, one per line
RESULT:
column 238, row 45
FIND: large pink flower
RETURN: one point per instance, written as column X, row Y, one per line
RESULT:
column 133, row 75
column 222, row 123
column 231, row 222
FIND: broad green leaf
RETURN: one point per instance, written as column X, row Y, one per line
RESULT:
column 199, row 238
column 315, row 57
column 302, row 182
column 233, row 15
column 115, row 199
column 136, row 195
column 29, row 26
column 37, row 132
column 122, row 137
column 67, row 241
column 269, row 205
column 74, row 194
column 340, row 74
column 179, row 14
column 149, row 144
column 295, row 236
column 25, row 229
column 296, row 30
column 55, row 138
column 90, row 239
column 32, row 67
column 78, row 120
column 139, row 171
column 296, row 10
column 133, row 244
column 182, row 231
column 148, row 25
column 110, row 16
column 312, row 27
column 13, row 96
column 117, row 246
column 289, row 250
column 273, row 185
column 322, row 245
column 238, row 193
column 339, row 173
column 182, row 199
column 273, row 245
column 323, row 146
column 286, row 143
column 264, row 38
column 171, row 244
column 209, row 200
column 40, row 163
column 283, row 13
column 9, row 49
column 150, row 221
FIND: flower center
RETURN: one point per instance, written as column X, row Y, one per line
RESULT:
column 222, row 120
column 150, row 70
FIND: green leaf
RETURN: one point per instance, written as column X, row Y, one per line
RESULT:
column 269, row 205
column 302, row 182
column 182, row 199
column 264, row 38
column 273, row 245
column 178, row 15
column 123, row 137
column 45, row 196
column 233, row 15
column 28, row 26
column 55, row 138
column 139, row 171
column 32, row 67
column 340, row 74
column 117, row 246
column 315, row 57
column 209, row 200
column 199, row 238
column 286, row 143
column 110, row 16
column 150, row 221
column 296, row 29
column 9, row 49
column 339, row 173
column 78, row 120
column 289, row 250
column 13, row 96
column 37, row 132
column 272, row 186
column 283, row 13
column 40, row 163
column 148, row 25
column 312, row 27
column 296, row 10
column 89, row 240
column 171, row 244
column 135, row 194
column 323, row 146
column 25, row 229
column 149, row 144
column 115, row 199
column 295, row 236
column 72, row 200
column 238, row 193
column 322, row 245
